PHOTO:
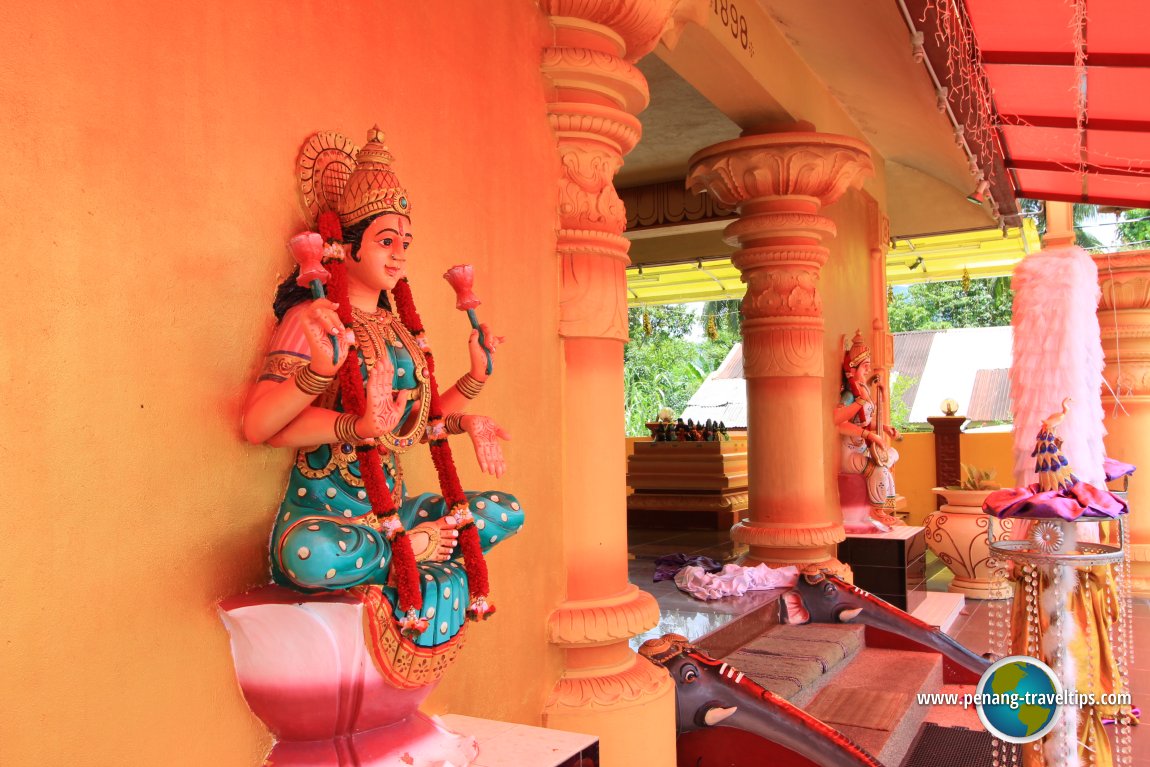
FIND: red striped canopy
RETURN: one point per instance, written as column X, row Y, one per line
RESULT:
column 1028, row 50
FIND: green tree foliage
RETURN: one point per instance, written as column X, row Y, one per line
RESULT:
column 672, row 321
column 899, row 409
column 663, row 368
column 940, row 305
column 1134, row 228
column 1085, row 215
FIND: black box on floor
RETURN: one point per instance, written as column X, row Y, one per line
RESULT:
column 892, row 566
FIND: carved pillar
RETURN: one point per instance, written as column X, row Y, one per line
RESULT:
column 1124, row 318
column 594, row 92
column 882, row 342
column 778, row 182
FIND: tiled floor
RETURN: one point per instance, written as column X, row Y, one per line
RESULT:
column 685, row 615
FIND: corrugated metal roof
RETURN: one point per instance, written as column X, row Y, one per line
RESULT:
column 723, row 396
column 732, row 365
column 990, row 398
column 956, row 355
column 911, row 350
column 720, row 399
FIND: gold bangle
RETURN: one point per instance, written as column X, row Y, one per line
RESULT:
column 469, row 386
column 345, row 428
column 310, row 382
column 453, row 422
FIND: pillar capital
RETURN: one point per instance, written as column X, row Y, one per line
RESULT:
column 809, row 169
column 594, row 92
column 639, row 25
column 1124, row 320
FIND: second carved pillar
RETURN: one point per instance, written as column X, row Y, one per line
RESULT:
column 778, row 181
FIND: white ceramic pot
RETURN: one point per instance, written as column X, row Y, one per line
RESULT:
column 956, row 533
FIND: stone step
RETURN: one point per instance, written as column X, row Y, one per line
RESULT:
column 795, row 662
column 872, row 700
column 940, row 609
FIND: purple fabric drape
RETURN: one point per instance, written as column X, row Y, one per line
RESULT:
column 1081, row 500
column 667, row 567
column 1116, row 469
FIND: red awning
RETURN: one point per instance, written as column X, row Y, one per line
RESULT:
column 1028, row 51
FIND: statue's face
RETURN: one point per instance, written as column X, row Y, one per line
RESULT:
column 382, row 258
column 861, row 374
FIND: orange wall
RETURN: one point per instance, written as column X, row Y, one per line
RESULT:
column 914, row 473
column 148, row 192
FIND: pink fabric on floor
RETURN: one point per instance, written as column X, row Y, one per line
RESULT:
column 734, row 580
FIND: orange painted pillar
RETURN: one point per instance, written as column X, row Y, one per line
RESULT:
column 778, row 181
column 882, row 346
column 594, row 91
column 1124, row 318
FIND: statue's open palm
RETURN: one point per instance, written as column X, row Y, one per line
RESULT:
column 485, row 435
column 383, row 406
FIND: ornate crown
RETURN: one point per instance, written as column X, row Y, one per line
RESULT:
column 858, row 353
column 356, row 183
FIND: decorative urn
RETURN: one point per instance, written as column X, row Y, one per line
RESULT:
column 957, row 534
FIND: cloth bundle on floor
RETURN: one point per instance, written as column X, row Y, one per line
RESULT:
column 734, row 580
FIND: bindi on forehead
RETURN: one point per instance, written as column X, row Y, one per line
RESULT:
column 396, row 225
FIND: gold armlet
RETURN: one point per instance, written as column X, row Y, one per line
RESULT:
column 453, row 422
column 310, row 382
column 469, row 386
column 345, row 429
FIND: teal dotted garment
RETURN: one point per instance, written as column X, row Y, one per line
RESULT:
column 321, row 542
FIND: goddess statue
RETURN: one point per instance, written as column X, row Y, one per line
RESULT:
column 866, row 450
column 349, row 383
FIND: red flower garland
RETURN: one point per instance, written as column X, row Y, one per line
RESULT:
column 404, row 566
column 453, row 496
column 329, row 227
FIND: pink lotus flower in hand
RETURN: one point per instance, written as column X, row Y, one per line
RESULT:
column 461, row 278
column 307, row 250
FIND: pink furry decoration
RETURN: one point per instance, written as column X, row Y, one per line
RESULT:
column 1058, row 354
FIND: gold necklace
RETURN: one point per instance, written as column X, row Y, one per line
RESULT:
column 372, row 331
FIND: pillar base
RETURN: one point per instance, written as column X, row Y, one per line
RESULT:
column 802, row 545
column 831, row 565
column 810, row 549
column 616, row 703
